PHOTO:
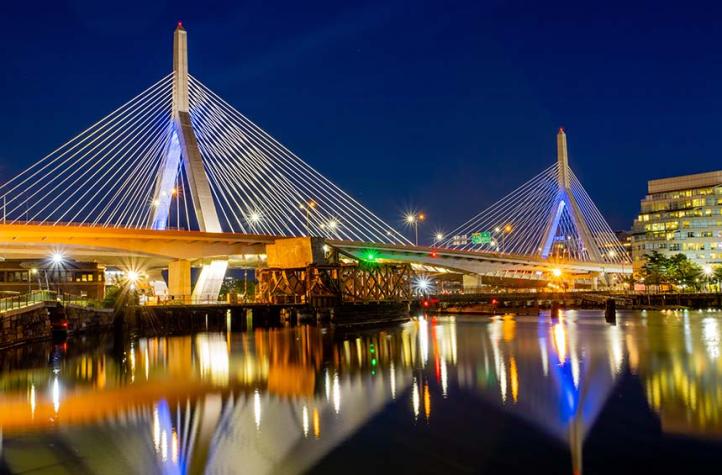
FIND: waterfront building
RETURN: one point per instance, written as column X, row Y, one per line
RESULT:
column 81, row 279
column 681, row 214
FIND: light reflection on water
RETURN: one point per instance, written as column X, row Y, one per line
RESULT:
column 283, row 400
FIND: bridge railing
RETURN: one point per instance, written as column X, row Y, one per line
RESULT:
column 26, row 300
column 42, row 296
column 209, row 299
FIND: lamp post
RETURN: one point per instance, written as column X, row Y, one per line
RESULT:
column 414, row 219
column 176, row 193
column 308, row 206
column 502, row 232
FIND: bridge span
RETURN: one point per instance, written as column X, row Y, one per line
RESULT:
column 177, row 178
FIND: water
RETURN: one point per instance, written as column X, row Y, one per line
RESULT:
column 436, row 395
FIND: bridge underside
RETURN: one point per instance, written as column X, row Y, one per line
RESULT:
column 153, row 250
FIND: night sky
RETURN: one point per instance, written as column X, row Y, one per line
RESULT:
column 439, row 106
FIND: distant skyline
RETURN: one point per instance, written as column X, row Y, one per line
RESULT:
column 433, row 106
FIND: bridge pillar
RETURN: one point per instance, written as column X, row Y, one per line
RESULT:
column 179, row 278
column 471, row 283
column 210, row 281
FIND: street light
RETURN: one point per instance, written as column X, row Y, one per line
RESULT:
column 708, row 271
column 254, row 218
column 332, row 225
column 414, row 219
column 308, row 206
column 502, row 232
column 423, row 285
column 438, row 237
column 57, row 258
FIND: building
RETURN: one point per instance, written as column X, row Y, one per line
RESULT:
column 81, row 279
column 681, row 215
column 625, row 239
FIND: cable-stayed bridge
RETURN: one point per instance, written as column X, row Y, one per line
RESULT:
column 178, row 177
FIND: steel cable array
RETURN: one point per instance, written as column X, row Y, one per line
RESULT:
column 107, row 176
column 519, row 222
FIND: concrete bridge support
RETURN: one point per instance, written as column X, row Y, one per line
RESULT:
column 179, row 278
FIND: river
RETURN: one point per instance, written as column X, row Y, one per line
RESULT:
column 439, row 394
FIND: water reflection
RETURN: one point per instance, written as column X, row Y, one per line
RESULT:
column 280, row 400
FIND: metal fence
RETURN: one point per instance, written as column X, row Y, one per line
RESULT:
column 42, row 296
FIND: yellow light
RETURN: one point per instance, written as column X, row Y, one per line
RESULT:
column 33, row 270
column 556, row 272
column 132, row 276
column 422, row 216
column 707, row 269
column 508, row 228
column 311, row 204
column 173, row 191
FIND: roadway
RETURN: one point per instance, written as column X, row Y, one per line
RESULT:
column 156, row 248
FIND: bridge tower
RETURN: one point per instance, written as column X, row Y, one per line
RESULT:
column 182, row 149
column 550, row 216
column 565, row 201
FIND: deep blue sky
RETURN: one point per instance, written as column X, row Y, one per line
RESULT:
column 442, row 106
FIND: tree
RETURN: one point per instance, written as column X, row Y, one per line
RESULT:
column 676, row 270
column 655, row 270
column 684, row 272
column 231, row 285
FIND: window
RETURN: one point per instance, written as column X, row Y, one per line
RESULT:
column 18, row 276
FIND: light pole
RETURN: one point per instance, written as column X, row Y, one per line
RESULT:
column 308, row 206
column 174, row 193
column 414, row 219
column 502, row 232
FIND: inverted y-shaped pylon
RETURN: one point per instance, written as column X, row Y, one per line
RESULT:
column 179, row 156
column 549, row 216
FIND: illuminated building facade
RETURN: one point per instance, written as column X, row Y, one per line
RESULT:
column 83, row 279
column 681, row 215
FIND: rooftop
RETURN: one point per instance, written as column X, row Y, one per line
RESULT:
column 684, row 182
